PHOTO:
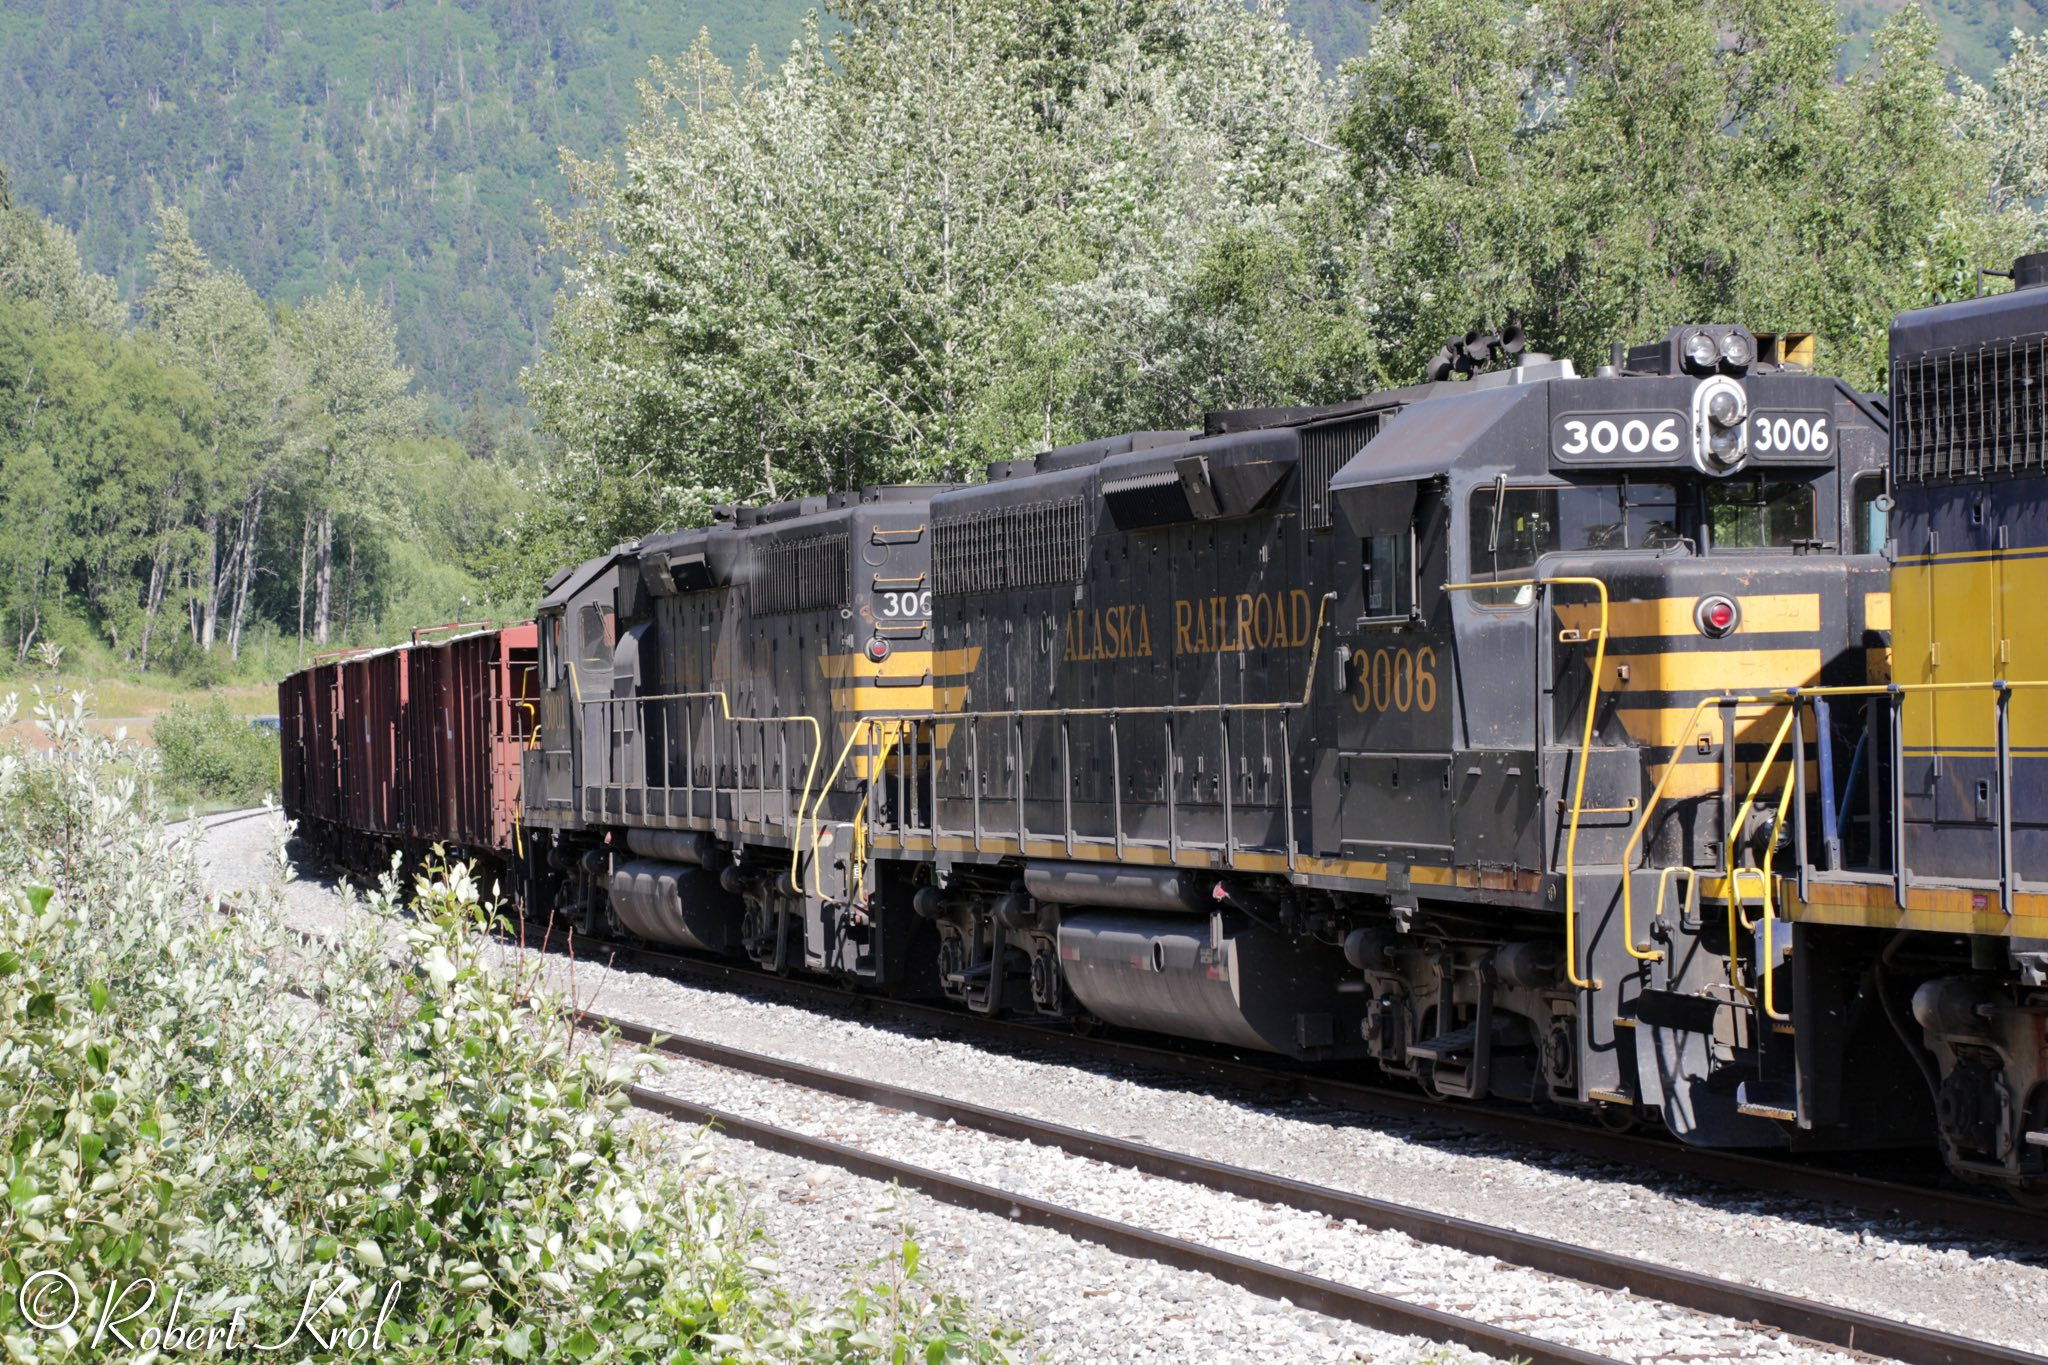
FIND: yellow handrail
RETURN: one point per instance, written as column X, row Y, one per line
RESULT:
column 1628, row 852
column 810, row 821
column 1692, row 886
column 1735, row 879
column 725, row 714
column 1769, row 965
column 1571, row 847
column 1733, row 835
column 1792, row 698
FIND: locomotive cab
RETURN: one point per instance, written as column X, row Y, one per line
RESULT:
column 1545, row 580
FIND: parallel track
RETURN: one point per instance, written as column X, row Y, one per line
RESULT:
column 1816, row 1322
column 1944, row 1209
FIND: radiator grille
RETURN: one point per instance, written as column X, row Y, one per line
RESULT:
column 1032, row 546
column 802, row 575
column 1324, row 451
column 1971, row 414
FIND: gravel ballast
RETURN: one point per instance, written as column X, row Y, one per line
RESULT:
column 1078, row 1293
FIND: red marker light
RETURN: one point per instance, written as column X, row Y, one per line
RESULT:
column 878, row 650
column 1716, row 616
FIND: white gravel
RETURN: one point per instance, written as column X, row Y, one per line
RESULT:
column 1086, row 1304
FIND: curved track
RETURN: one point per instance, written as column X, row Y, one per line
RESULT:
column 1919, row 1199
column 1821, row 1323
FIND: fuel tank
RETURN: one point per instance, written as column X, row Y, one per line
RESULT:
column 677, row 904
column 1247, row 988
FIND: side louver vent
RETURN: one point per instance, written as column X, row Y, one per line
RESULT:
column 802, row 575
column 1971, row 414
column 1002, row 548
column 1325, row 450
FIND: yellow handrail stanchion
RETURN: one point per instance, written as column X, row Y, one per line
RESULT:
column 809, row 820
column 1635, row 838
column 1664, row 876
column 1769, row 965
column 1735, row 880
column 1734, row 831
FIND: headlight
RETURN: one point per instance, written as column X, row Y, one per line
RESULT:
column 1737, row 350
column 1700, row 351
column 1724, row 408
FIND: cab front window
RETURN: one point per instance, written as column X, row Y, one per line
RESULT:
column 1757, row 512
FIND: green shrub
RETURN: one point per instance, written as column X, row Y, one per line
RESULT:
column 211, row 754
column 194, row 1097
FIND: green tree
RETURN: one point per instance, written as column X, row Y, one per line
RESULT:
column 2011, row 117
column 214, row 323
column 1606, row 169
column 944, row 235
column 354, row 405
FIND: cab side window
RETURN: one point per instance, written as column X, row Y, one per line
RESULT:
column 1389, row 575
column 1869, row 515
column 596, row 628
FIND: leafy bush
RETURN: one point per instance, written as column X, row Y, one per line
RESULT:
column 211, row 754
column 194, row 1097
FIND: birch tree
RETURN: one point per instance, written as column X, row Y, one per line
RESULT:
column 354, row 404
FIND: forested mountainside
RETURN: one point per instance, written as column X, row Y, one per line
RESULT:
column 399, row 146
column 405, row 146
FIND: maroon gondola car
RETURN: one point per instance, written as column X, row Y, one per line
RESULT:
column 393, row 750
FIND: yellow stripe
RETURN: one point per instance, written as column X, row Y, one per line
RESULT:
column 1702, row 777
column 929, row 732
column 1928, row 909
column 1877, row 611
column 1664, row 727
column 1713, row 670
column 902, row 663
column 925, row 698
column 1466, row 878
column 1767, row 613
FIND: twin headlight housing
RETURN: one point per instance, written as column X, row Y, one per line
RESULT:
column 1715, row 350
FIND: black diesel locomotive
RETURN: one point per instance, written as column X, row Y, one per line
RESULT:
column 1322, row 731
column 1525, row 733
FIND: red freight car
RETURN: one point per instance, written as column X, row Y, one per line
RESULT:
column 398, row 749
column 470, row 714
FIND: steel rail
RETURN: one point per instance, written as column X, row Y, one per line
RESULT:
column 1822, row 1323
column 1328, row 1297
column 1943, row 1209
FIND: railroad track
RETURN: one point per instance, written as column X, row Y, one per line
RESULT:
column 1939, row 1207
column 1818, row 1323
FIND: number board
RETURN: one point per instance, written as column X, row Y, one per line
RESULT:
column 1651, row 437
column 1778, row 435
